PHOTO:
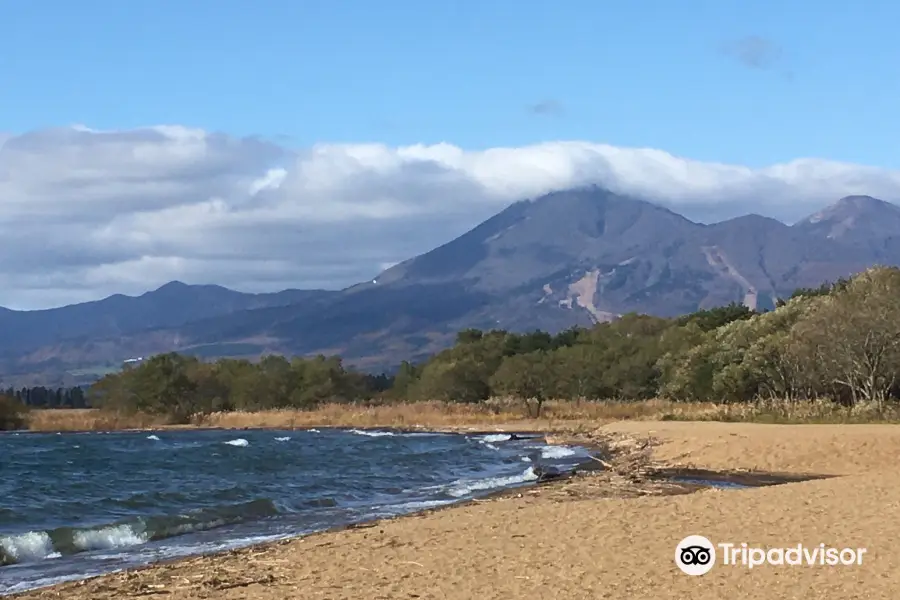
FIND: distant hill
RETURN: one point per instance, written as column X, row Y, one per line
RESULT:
column 572, row 257
column 57, row 333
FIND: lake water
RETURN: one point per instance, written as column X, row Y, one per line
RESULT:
column 75, row 505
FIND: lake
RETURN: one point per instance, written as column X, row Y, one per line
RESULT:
column 81, row 504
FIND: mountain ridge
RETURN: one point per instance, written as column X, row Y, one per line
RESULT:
column 571, row 257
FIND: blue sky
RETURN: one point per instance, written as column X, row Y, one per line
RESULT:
column 750, row 82
column 427, row 118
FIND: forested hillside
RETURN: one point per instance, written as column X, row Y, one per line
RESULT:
column 840, row 342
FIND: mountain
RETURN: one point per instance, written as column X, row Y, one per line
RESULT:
column 572, row 257
column 172, row 305
column 861, row 222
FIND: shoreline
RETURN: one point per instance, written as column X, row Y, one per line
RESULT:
column 392, row 429
column 436, row 417
column 544, row 474
column 380, row 558
column 496, row 414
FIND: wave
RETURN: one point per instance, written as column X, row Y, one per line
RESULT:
column 463, row 488
column 282, row 439
column 495, row 437
column 372, row 433
column 240, row 443
column 25, row 547
column 33, row 546
column 153, row 437
column 551, row 452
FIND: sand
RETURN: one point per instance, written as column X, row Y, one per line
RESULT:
column 577, row 540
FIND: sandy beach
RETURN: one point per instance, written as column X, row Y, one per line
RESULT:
column 587, row 538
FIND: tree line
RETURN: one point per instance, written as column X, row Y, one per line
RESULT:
column 16, row 402
column 840, row 341
column 44, row 397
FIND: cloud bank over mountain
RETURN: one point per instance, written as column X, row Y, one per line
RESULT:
column 86, row 213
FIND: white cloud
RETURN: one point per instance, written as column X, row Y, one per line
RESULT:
column 87, row 213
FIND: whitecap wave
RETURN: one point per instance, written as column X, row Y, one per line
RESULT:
column 240, row 442
column 495, row 437
column 372, row 433
column 153, row 437
column 26, row 547
column 416, row 505
column 282, row 439
column 552, row 452
column 313, row 430
column 107, row 538
column 464, row 488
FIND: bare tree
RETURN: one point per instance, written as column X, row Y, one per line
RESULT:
column 855, row 336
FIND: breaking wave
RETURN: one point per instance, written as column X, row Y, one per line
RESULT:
column 495, row 437
column 465, row 488
column 33, row 546
column 552, row 452
column 372, row 433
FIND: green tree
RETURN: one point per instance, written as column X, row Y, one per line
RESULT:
column 459, row 380
column 528, row 377
column 855, row 333
column 578, row 374
column 407, row 375
column 13, row 414
column 713, row 318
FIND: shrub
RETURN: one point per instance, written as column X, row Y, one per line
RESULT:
column 13, row 414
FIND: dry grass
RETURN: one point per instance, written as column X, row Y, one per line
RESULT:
column 89, row 419
column 436, row 415
column 433, row 415
column 821, row 411
column 498, row 413
column 425, row 414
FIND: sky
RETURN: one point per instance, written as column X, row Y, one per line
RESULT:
column 308, row 143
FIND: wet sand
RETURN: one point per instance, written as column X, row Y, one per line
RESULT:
column 606, row 536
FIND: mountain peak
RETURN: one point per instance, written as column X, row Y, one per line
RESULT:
column 172, row 285
column 543, row 237
column 851, row 206
column 862, row 202
column 861, row 216
column 176, row 286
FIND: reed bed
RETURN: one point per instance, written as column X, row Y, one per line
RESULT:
column 90, row 419
column 819, row 411
column 498, row 413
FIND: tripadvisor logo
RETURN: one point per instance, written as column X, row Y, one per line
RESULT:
column 696, row 555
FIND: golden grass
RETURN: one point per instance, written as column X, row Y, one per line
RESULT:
column 427, row 414
column 436, row 415
column 89, row 419
column 432, row 415
column 822, row 411
column 560, row 415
